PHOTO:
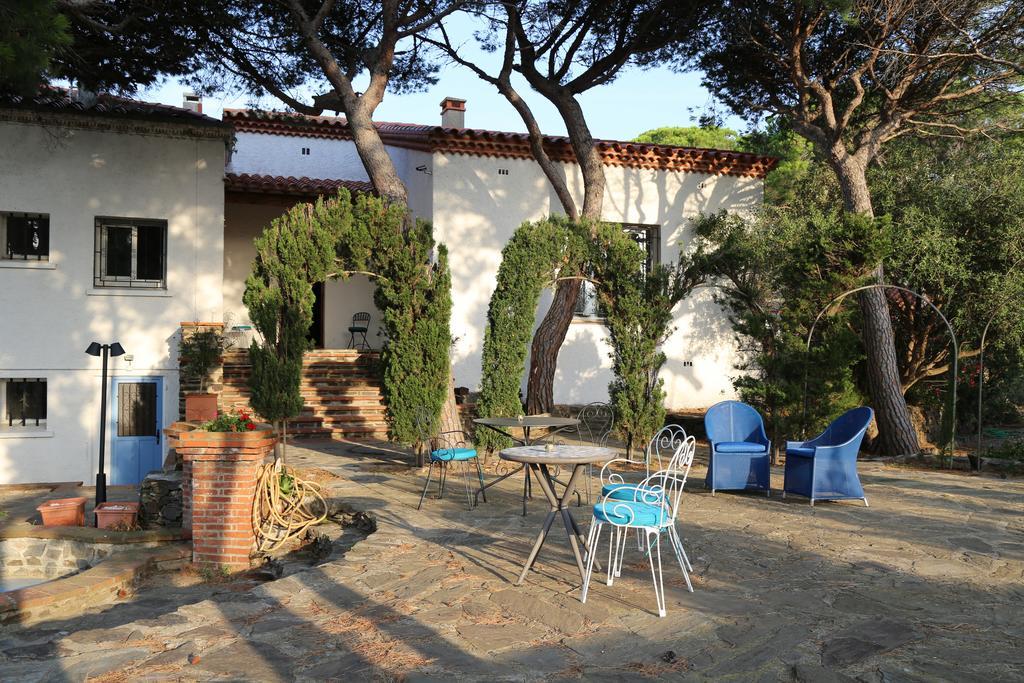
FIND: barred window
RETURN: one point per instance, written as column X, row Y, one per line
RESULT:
column 24, row 401
column 130, row 253
column 25, row 236
column 649, row 239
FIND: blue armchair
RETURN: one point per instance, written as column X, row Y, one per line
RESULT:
column 740, row 449
column 825, row 468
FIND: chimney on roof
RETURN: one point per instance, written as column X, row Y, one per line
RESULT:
column 453, row 113
column 192, row 102
column 82, row 95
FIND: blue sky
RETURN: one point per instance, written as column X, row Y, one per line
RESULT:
column 637, row 101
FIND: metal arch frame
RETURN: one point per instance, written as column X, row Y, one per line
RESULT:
column 922, row 297
column 981, row 366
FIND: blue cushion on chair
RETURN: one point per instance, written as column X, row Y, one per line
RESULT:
column 449, row 454
column 805, row 451
column 740, row 447
column 630, row 492
column 633, row 514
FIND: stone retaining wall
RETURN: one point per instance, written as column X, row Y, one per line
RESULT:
column 48, row 558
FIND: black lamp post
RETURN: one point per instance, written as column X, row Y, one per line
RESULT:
column 105, row 350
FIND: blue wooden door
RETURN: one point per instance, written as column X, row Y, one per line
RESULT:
column 135, row 444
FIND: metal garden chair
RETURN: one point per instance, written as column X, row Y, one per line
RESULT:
column 446, row 448
column 667, row 442
column 360, row 326
column 651, row 508
column 740, row 449
column 825, row 468
column 596, row 423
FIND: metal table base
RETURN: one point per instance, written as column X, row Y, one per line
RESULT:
column 559, row 509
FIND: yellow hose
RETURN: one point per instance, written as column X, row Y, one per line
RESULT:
column 278, row 517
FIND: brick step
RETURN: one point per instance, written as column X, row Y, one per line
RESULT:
column 351, row 435
column 330, row 393
column 315, row 385
column 334, row 373
column 365, row 397
column 312, row 367
column 312, row 409
column 352, row 358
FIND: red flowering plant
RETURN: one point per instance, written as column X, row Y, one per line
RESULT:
column 230, row 422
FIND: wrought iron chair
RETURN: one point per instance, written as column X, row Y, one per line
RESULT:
column 651, row 508
column 596, row 423
column 360, row 326
column 740, row 449
column 666, row 441
column 445, row 448
column 825, row 468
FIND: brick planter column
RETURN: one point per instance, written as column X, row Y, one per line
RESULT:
column 219, row 486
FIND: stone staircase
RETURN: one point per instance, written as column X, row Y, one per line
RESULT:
column 341, row 389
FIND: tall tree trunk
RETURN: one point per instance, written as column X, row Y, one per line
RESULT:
column 548, row 339
column 896, row 431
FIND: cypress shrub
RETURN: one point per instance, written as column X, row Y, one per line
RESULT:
column 532, row 258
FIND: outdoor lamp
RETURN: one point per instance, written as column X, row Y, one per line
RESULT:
column 104, row 350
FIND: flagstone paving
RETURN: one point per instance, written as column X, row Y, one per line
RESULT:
column 926, row 584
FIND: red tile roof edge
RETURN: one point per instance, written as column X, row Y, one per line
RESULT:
column 290, row 185
column 479, row 142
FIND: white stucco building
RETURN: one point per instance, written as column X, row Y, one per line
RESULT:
column 119, row 220
column 476, row 187
column 111, row 229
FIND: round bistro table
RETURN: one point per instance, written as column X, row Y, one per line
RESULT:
column 527, row 424
column 538, row 459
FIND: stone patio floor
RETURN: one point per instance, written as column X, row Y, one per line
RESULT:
column 927, row 584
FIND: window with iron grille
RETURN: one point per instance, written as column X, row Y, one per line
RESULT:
column 130, row 253
column 649, row 239
column 25, row 236
column 24, row 402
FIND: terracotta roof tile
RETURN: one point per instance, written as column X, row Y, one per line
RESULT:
column 59, row 100
column 479, row 142
column 290, row 185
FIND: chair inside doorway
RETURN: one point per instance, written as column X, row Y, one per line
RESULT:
column 357, row 331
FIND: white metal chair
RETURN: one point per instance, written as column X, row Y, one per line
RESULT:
column 651, row 508
column 596, row 423
column 666, row 441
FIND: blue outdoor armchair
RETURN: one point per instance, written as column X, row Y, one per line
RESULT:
column 825, row 468
column 740, row 449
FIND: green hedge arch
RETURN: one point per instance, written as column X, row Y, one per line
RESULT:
column 535, row 255
column 638, row 315
column 337, row 237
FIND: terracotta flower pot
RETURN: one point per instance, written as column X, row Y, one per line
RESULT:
column 116, row 515
column 63, row 512
column 200, row 407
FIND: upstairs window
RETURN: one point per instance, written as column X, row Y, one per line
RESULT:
column 24, row 402
column 25, row 236
column 131, row 253
column 649, row 239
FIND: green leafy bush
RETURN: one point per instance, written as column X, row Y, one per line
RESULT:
column 198, row 353
column 337, row 237
column 536, row 254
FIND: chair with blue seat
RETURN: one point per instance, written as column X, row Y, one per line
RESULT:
column 825, row 468
column 446, row 448
column 663, row 449
column 650, row 507
column 740, row 449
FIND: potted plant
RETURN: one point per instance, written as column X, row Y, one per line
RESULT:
column 198, row 353
column 63, row 512
column 119, row 516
